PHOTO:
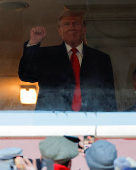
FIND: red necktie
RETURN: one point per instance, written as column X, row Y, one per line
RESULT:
column 77, row 99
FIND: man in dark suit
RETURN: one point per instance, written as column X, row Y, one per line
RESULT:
column 86, row 85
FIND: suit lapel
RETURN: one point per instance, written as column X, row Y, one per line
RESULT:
column 64, row 59
column 86, row 61
column 63, row 54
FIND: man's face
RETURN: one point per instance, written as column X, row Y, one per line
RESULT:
column 72, row 30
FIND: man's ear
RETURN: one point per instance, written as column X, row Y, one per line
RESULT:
column 84, row 30
column 60, row 31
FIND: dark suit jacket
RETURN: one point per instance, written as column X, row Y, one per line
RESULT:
column 51, row 68
column 131, row 109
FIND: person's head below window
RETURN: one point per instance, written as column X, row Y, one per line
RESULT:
column 60, row 150
column 124, row 163
column 101, row 155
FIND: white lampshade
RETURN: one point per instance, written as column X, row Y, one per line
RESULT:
column 28, row 95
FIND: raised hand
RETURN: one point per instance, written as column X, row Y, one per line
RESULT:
column 37, row 34
column 26, row 163
column 81, row 150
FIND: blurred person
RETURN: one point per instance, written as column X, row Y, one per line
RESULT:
column 133, row 108
column 11, row 158
column 23, row 163
column 120, row 163
column 71, row 76
column 101, row 155
column 60, row 150
column 7, row 156
column 124, row 163
column 26, row 164
column 129, row 169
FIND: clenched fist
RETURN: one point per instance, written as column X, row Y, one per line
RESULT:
column 37, row 34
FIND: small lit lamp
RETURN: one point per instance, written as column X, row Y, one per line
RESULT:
column 28, row 94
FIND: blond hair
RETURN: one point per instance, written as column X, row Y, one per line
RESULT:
column 74, row 13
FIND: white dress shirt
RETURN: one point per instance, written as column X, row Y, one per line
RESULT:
column 79, row 52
